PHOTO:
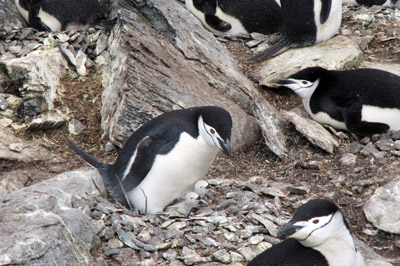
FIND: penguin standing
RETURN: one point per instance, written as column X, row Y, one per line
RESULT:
column 165, row 157
column 394, row 3
column 59, row 15
column 362, row 101
column 318, row 235
column 305, row 23
column 237, row 16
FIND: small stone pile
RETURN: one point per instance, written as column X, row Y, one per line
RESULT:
column 232, row 228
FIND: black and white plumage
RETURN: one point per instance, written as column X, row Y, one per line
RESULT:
column 305, row 23
column 59, row 15
column 318, row 235
column 393, row 3
column 237, row 16
column 362, row 101
column 165, row 157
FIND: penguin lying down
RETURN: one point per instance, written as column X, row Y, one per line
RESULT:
column 233, row 17
column 164, row 158
column 362, row 101
column 317, row 235
column 60, row 15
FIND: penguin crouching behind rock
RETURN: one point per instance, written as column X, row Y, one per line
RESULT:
column 362, row 101
column 233, row 17
column 317, row 235
column 165, row 157
column 305, row 23
column 60, row 15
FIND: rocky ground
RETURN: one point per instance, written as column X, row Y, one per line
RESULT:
column 251, row 183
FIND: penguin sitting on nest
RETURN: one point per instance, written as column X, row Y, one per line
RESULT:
column 305, row 23
column 233, row 17
column 164, row 158
column 317, row 235
column 60, row 15
column 362, row 101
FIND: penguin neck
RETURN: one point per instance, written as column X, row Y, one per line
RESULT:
column 339, row 248
column 306, row 95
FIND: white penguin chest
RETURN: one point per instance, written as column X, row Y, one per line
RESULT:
column 174, row 174
column 339, row 253
column 389, row 116
column 332, row 24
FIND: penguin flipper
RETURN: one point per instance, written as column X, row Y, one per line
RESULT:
column 143, row 161
column 352, row 119
column 216, row 23
column 279, row 46
column 34, row 19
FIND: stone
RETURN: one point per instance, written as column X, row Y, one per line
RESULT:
column 312, row 130
column 146, row 62
column 27, row 151
column 371, row 258
column 75, row 127
column 348, row 159
column 9, row 14
column 379, row 208
column 337, row 53
column 38, row 218
column 39, row 85
column 392, row 68
column 222, row 256
column 50, row 120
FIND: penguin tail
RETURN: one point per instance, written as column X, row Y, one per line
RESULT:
column 278, row 47
column 108, row 24
column 87, row 157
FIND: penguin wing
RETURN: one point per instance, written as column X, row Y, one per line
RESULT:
column 352, row 116
column 289, row 253
column 209, row 10
column 143, row 158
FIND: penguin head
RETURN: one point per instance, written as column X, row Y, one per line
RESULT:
column 315, row 222
column 304, row 82
column 215, row 127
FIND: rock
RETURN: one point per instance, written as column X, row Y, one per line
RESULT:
column 370, row 256
column 39, row 85
column 38, row 218
column 75, row 127
column 348, row 159
column 9, row 14
column 312, row 130
column 393, row 68
column 27, row 151
column 337, row 53
column 379, row 208
column 147, row 56
column 49, row 120
column 222, row 256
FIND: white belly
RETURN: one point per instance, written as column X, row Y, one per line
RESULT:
column 173, row 175
column 49, row 20
column 23, row 12
column 332, row 25
column 389, row 116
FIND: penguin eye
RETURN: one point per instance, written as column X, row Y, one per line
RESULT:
column 212, row 131
column 315, row 221
column 304, row 82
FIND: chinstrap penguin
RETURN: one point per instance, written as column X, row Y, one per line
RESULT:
column 59, row 15
column 165, row 157
column 235, row 17
column 305, row 23
column 362, row 101
column 317, row 235
column 392, row 3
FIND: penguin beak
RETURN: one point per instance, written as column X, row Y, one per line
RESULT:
column 284, row 81
column 226, row 146
column 288, row 230
column 208, row 186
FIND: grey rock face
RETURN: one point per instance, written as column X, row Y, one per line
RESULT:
column 163, row 60
column 10, row 15
column 41, row 225
column 380, row 208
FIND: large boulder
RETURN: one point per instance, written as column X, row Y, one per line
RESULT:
column 9, row 14
column 161, row 60
column 46, row 224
